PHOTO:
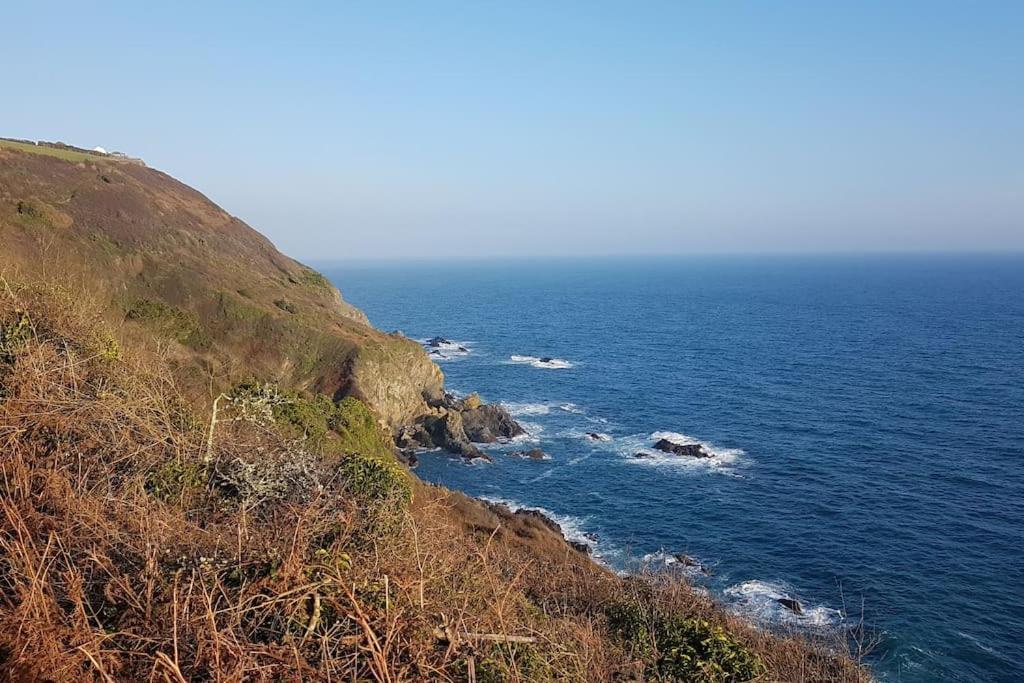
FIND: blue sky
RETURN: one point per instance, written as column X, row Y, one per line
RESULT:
column 479, row 129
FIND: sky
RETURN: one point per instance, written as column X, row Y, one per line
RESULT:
column 441, row 130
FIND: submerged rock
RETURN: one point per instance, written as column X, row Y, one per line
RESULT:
column 791, row 604
column 437, row 342
column 596, row 436
column 547, row 359
column 642, row 455
column 532, row 454
column 692, row 450
column 687, row 561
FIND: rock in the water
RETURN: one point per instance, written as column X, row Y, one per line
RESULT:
column 489, row 423
column 446, row 431
column 532, row 454
column 692, row 450
column 595, row 436
column 437, row 342
column 455, row 424
column 792, row 605
column 641, row 455
column 546, row 359
column 686, row 560
column 580, row 547
column 463, row 349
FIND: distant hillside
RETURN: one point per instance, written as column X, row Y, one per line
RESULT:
column 160, row 258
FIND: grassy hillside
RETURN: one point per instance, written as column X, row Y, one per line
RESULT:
column 278, row 539
column 171, row 269
column 198, row 480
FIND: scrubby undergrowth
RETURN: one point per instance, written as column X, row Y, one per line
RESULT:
column 282, row 541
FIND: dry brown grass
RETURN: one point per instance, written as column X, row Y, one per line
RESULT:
column 123, row 557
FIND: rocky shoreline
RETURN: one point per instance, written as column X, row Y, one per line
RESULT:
column 456, row 425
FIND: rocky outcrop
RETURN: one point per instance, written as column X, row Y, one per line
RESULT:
column 692, row 450
column 489, row 423
column 455, row 425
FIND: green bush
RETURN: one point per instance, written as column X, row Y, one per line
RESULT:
column 678, row 649
column 169, row 321
column 285, row 305
column 345, row 427
column 176, row 480
column 376, row 480
column 14, row 334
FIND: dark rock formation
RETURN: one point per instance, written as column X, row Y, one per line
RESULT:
column 580, row 547
column 594, row 436
column 542, row 518
column 437, row 342
column 546, row 359
column 692, row 450
column 532, row 454
column 489, row 423
column 642, row 455
column 456, row 424
column 687, row 561
column 792, row 605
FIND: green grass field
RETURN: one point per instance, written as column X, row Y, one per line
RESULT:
column 66, row 154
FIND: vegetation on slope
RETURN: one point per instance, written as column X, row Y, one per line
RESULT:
column 292, row 546
column 168, row 267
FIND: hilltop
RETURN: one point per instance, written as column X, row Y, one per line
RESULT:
column 199, row 477
column 165, row 263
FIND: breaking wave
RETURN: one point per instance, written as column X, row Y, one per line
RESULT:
column 759, row 600
column 537, row 362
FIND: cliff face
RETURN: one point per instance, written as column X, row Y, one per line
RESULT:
column 159, row 258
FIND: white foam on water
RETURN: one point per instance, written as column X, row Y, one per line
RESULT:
column 662, row 559
column 526, row 409
column 535, row 361
column 760, row 601
column 573, row 528
column 448, row 350
column 603, row 439
column 977, row 643
column 723, row 460
column 571, row 408
column 531, row 434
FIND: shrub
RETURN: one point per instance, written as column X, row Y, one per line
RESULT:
column 376, row 480
column 170, row 321
column 286, row 306
column 345, row 427
column 14, row 334
column 176, row 480
column 680, row 649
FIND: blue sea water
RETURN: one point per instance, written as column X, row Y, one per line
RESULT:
column 867, row 413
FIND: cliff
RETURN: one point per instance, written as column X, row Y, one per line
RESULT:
column 165, row 263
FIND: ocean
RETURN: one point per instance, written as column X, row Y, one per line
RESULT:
column 866, row 412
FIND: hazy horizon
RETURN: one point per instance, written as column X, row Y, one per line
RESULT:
column 461, row 131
